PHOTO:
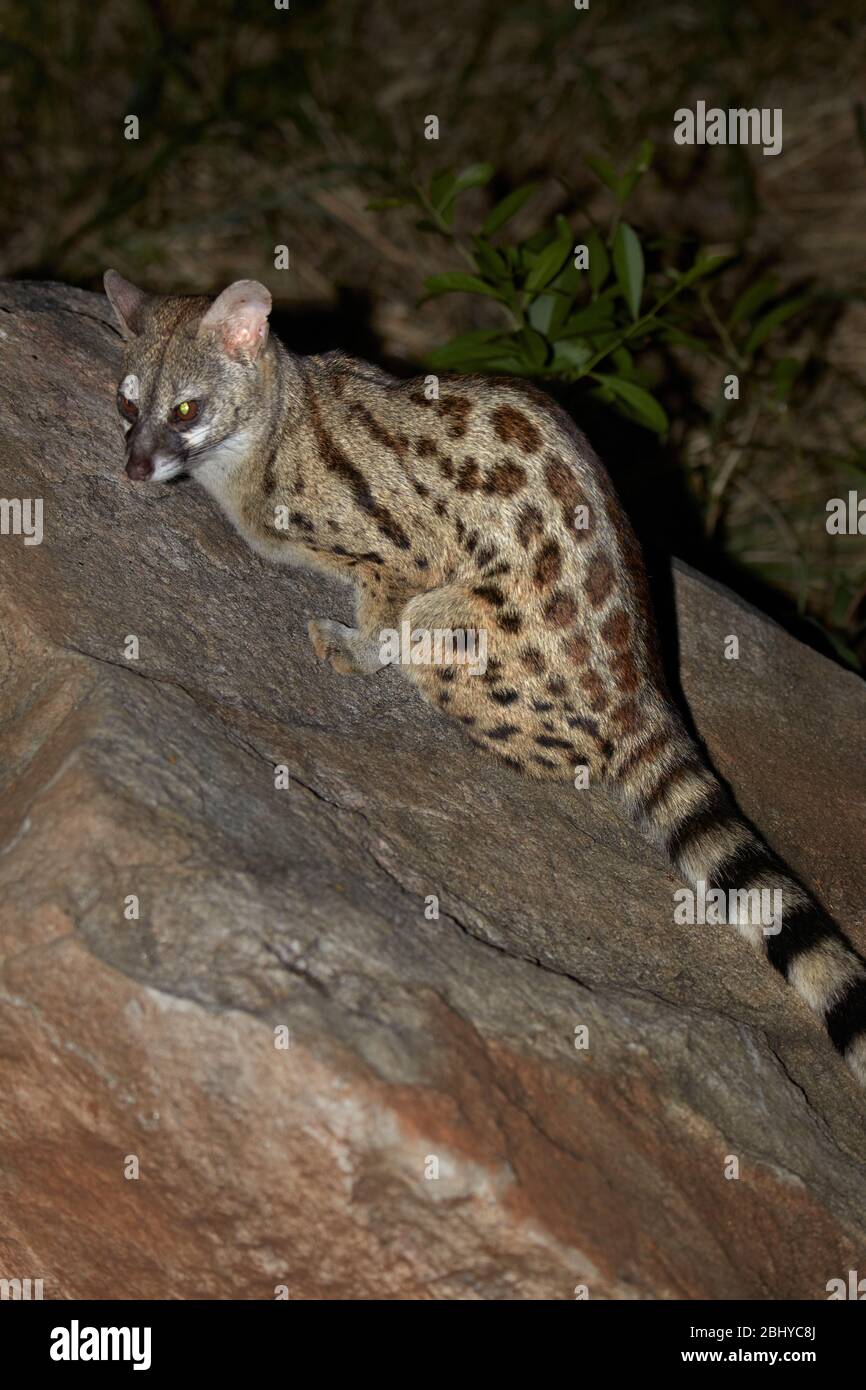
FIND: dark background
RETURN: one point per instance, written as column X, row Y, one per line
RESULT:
column 262, row 127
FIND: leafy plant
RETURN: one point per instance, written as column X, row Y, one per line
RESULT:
column 588, row 304
column 578, row 305
column 606, row 307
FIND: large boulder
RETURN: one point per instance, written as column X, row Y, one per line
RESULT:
column 416, row 1042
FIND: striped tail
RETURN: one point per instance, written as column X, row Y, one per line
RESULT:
column 679, row 804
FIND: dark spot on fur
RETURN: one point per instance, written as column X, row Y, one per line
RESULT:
column 337, row 461
column 471, row 541
column 542, row 706
column 591, row 683
column 599, row 579
column 582, row 721
column 421, row 488
column 425, row 447
column 561, row 609
column 645, row 752
column 530, row 523
column 505, row 479
column 557, row 686
column 510, row 621
column 397, row 443
column 616, row 628
column 486, row 554
column 469, row 476
column 456, row 410
column 504, row 697
column 533, row 661
column 503, row 731
column 563, row 483
column 513, row 427
column 548, row 565
column 624, row 671
column 489, row 594
column 627, row 718
column 578, row 649
column 492, row 670
column 513, row 763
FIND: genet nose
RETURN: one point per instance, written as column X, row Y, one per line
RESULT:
column 139, row 467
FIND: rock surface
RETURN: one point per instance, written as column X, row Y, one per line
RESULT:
column 410, row 1039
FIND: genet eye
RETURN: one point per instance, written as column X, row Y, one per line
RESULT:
column 186, row 411
column 127, row 407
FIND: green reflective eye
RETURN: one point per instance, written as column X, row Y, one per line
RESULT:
column 185, row 411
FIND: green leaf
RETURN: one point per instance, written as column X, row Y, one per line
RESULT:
column 442, row 189
column 446, row 188
column 606, row 172
column 641, row 405
column 704, row 265
column 535, row 243
column 561, row 309
column 599, row 261
column 569, row 354
column 624, row 363
column 766, row 327
column 458, row 280
column 639, row 166
column 540, row 311
column 468, row 349
column 569, row 279
column 622, row 186
column 380, row 204
column 504, row 211
column 589, row 320
column 669, row 333
column 548, row 264
column 473, row 176
column 753, row 298
column 628, row 265
column 490, row 262
column 533, row 348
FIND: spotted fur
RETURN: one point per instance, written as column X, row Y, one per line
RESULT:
column 480, row 507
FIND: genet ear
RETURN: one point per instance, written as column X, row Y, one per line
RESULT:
column 128, row 303
column 239, row 316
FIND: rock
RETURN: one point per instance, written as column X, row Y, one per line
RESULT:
column 412, row 1041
